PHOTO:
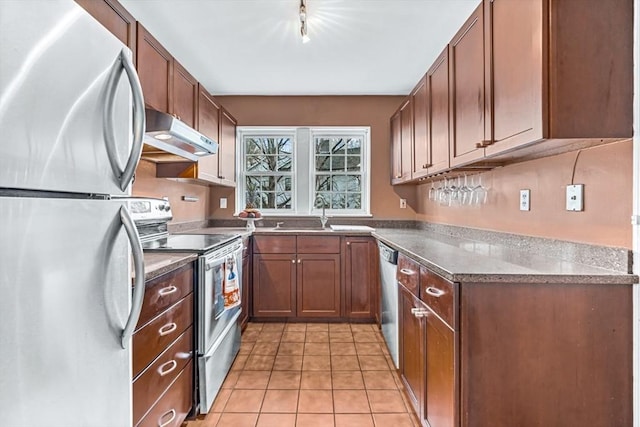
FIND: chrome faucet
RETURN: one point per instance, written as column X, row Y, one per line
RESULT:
column 279, row 224
column 324, row 218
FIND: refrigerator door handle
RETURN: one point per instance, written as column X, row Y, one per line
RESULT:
column 124, row 62
column 138, row 262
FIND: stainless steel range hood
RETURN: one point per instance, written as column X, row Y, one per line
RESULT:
column 167, row 139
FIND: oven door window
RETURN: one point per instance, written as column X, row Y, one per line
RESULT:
column 218, row 290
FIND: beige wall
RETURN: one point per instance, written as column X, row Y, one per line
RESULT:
column 606, row 172
column 147, row 185
column 373, row 111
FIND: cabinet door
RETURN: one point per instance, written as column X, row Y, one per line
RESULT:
column 406, row 131
column 274, row 285
column 360, row 278
column 208, row 125
column 468, row 91
column 115, row 18
column 516, row 31
column 396, row 148
column 439, row 124
column 412, row 356
column 421, row 143
column 318, row 290
column 185, row 95
column 227, row 149
column 440, row 390
column 155, row 70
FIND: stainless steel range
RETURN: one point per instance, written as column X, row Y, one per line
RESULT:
column 216, row 324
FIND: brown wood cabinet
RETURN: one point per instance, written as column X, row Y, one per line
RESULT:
column 567, row 99
column 438, row 92
column 526, row 79
column 412, row 347
column 297, row 277
column 361, row 282
column 185, row 95
column 163, row 344
column 468, row 94
column 155, row 69
column 115, row 18
column 526, row 354
column 227, row 149
column 402, row 143
column 421, row 143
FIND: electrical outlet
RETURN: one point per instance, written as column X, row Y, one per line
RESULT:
column 575, row 197
column 223, row 203
column 525, row 200
column 403, row 203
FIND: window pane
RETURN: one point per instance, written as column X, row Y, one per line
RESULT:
column 283, row 184
column 323, row 146
column 353, row 163
column 354, row 146
column 323, row 163
column 284, row 163
column 285, row 146
column 323, row 182
column 337, row 163
column 253, row 146
column 283, row 200
column 337, row 201
column 353, row 183
column 256, row 163
column 338, row 145
column 339, row 183
column 322, row 200
column 268, row 200
column 353, row 201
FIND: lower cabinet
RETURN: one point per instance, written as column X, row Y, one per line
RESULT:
column 163, row 351
column 314, row 276
column 477, row 354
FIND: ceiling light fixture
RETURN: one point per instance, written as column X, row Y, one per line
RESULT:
column 303, row 22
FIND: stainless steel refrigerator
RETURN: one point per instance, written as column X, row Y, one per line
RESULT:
column 71, row 127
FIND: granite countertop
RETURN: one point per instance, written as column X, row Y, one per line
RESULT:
column 242, row 231
column 158, row 263
column 464, row 260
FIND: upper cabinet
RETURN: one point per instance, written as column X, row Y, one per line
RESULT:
column 227, row 149
column 402, row 143
column 521, row 80
column 155, row 69
column 582, row 91
column 185, row 95
column 468, row 94
column 114, row 18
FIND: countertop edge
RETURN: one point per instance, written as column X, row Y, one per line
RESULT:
column 157, row 264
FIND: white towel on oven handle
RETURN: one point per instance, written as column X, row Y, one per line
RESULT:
column 231, row 288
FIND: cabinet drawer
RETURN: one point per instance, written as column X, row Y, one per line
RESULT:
column 161, row 292
column 154, row 380
column 439, row 294
column 174, row 406
column 274, row 244
column 153, row 338
column 318, row 244
column 408, row 274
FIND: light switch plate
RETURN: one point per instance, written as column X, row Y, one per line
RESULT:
column 525, row 200
column 223, row 203
column 575, row 197
column 403, row 203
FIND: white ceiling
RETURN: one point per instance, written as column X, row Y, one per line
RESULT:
column 253, row 47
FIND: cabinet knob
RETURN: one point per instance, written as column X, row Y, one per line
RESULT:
column 483, row 144
column 299, row 261
column 293, row 261
column 348, row 243
column 220, row 177
column 426, row 165
column 398, row 176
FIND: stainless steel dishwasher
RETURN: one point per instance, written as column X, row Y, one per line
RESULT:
column 388, row 266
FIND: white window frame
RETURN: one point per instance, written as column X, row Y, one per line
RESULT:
column 303, row 184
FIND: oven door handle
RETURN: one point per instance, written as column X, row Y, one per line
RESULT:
column 138, row 289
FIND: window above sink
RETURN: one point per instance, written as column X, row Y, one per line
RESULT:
column 296, row 171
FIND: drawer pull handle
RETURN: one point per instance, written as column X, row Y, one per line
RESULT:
column 167, row 329
column 167, row 291
column 419, row 312
column 172, row 365
column 435, row 292
column 172, row 417
column 407, row 271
